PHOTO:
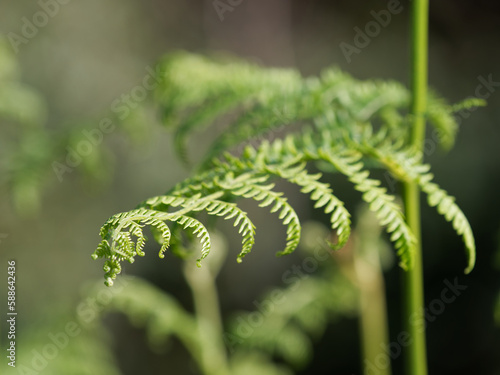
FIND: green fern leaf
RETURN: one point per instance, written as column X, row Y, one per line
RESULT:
column 405, row 165
column 387, row 211
column 212, row 207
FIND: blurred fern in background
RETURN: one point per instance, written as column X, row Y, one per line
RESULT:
column 33, row 155
column 26, row 150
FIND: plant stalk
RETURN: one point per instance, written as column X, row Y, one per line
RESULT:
column 369, row 278
column 413, row 294
column 208, row 316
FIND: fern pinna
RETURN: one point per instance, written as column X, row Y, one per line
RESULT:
column 340, row 124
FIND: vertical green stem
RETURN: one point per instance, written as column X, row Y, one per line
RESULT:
column 413, row 295
column 419, row 62
column 210, row 329
column 370, row 281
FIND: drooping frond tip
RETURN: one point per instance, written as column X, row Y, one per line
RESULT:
column 404, row 164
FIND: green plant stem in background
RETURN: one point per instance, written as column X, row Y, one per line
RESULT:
column 373, row 315
column 369, row 279
column 413, row 295
column 206, row 302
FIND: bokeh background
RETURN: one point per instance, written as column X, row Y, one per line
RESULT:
column 92, row 52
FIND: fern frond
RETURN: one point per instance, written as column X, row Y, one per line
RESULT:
column 258, row 121
column 301, row 314
column 468, row 103
column 361, row 100
column 441, row 115
column 199, row 230
column 118, row 245
column 323, row 195
column 446, row 206
column 335, row 94
column 268, row 197
column 214, row 207
column 343, row 112
column 202, row 116
column 406, row 166
column 246, row 183
column 196, row 90
column 283, row 159
column 388, row 212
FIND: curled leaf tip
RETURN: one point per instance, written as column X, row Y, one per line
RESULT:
column 470, row 267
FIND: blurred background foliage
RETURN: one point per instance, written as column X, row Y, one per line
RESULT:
column 90, row 54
